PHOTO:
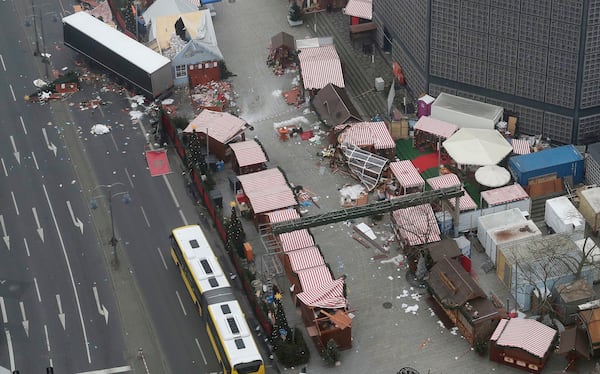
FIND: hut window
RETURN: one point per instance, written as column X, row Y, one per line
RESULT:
column 180, row 71
column 533, row 367
column 510, row 360
column 521, row 363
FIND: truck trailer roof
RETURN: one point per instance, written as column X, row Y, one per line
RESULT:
column 128, row 48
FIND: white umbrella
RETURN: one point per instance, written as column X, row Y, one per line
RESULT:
column 470, row 146
column 492, row 176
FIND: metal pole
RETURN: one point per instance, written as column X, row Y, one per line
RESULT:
column 113, row 239
column 45, row 59
column 37, row 42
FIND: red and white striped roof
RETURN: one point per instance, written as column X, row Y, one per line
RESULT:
column 436, row 127
column 283, row 215
column 267, row 190
column 527, row 334
column 521, row 146
column 313, row 278
column 504, row 195
column 359, row 8
column 329, row 295
column 298, row 239
column 305, row 258
column 248, row 152
column 363, row 134
column 466, row 202
column 417, row 224
column 221, row 126
column 407, row 174
column 320, row 66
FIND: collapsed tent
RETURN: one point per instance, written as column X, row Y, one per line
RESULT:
column 365, row 165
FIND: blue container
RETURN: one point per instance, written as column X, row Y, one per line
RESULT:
column 565, row 161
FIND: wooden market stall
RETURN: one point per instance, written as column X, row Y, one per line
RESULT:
column 249, row 157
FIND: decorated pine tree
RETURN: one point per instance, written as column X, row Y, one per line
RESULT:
column 235, row 233
column 195, row 158
column 281, row 323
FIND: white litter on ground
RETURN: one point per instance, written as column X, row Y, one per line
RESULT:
column 441, row 324
column 397, row 260
column 137, row 99
column 99, row 129
column 276, row 93
column 410, row 309
column 167, row 102
column 135, row 114
column 454, row 331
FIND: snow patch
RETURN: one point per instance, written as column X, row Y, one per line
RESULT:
column 99, row 129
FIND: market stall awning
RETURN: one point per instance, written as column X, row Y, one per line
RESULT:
column 221, row 126
column 296, row 239
column 466, row 202
column 504, row 195
column 248, row 152
column 267, row 190
column 365, row 165
column 469, row 146
column 365, row 134
column 320, row 66
column 521, row 146
column 492, row 176
column 329, row 295
column 359, row 8
column 436, row 127
column 417, row 224
column 313, row 278
column 305, row 258
column 407, row 174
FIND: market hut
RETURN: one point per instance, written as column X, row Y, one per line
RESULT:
column 250, row 157
column 463, row 215
column 334, row 107
column 574, row 344
column 415, row 226
column 507, row 197
column 221, row 128
column 265, row 191
column 431, row 132
column 408, row 177
column 320, row 64
column 373, row 137
column 590, row 319
column 281, row 52
column 462, row 300
column 522, row 343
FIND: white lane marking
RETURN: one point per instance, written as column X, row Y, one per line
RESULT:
column 23, row 125
column 3, row 309
column 15, row 151
column 2, row 59
column 171, row 191
column 15, row 202
column 47, row 338
column 115, row 370
column 39, row 229
column 62, row 244
column 185, row 221
column 162, row 258
column 11, row 354
column 12, row 92
column 145, row 216
column 76, row 221
column 201, row 351
column 37, row 289
column 26, row 247
column 4, row 167
column 35, row 161
column 129, row 178
column 181, row 303
column 5, row 237
column 61, row 315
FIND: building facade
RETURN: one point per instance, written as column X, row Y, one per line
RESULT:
column 537, row 59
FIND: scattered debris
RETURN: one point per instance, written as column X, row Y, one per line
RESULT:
column 217, row 96
column 100, row 129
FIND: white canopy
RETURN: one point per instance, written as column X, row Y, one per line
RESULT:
column 470, row 146
column 492, row 176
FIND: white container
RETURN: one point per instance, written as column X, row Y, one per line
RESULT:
column 562, row 216
column 379, row 84
column 496, row 220
column 510, row 234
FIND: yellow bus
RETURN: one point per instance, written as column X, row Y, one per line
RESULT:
column 211, row 292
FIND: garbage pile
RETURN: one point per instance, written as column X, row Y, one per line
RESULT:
column 217, row 96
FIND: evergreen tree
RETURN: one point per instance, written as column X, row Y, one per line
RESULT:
column 195, row 158
column 235, row 233
column 421, row 270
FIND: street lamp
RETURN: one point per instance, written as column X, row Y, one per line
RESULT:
column 110, row 195
column 32, row 18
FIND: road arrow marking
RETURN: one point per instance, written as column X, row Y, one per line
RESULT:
column 15, row 152
column 40, row 230
column 25, row 322
column 61, row 315
column 76, row 221
column 101, row 308
column 4, row 236
column 49, row 144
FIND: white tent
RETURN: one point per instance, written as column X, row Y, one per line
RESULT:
column 470, row 146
